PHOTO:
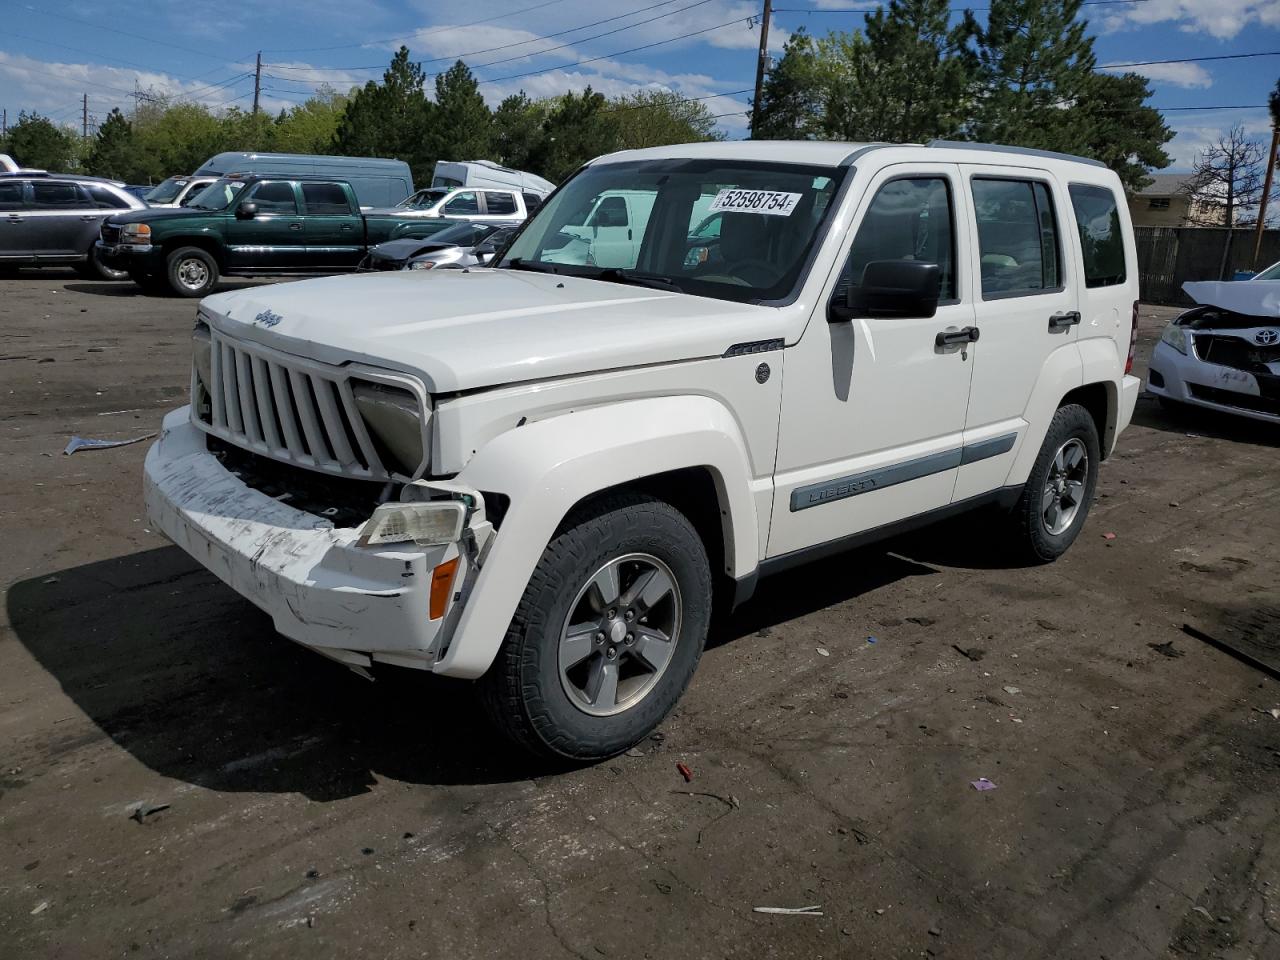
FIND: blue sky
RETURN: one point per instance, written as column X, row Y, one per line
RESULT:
column 54, row 51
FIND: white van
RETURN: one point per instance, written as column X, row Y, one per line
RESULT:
column 486, row 173
column 607, row 233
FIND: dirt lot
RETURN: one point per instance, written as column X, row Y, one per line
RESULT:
column 311, row 813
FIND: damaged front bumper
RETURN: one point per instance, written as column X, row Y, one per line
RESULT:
column 355, row 604
column 1188, row 379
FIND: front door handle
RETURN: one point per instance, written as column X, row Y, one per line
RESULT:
column 295, row 226
column 1060, row 321
column 88, row 217
column 947, row 338
column 347, row 226
column 14, row 219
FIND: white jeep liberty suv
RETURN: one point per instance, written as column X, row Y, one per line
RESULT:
column 542, row 474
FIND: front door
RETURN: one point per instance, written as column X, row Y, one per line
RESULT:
column 1029, row 319
column 335, row 232
column 273, row 239
column 58, row 218
column 15, row 225
column 873, row 409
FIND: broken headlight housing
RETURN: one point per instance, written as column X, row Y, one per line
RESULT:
column 394, row 419
column 202, row 364
column 1175, row 336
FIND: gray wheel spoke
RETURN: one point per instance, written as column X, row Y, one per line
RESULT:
column 1075, row 491
column 577, row 644
column 1074, row 454
column 652, row 649
column 1049, row 499
column 602, row 686
column 1059, row 463
column 1052, row 516
column 649, row 588
column 604, row 587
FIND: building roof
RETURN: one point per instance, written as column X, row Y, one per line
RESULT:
column 1166, row 185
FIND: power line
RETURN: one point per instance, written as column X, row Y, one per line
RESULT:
column 1222, row 56
column 878, row 7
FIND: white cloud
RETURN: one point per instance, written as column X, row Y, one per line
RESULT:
column 1189, row 75
column 1220, row 19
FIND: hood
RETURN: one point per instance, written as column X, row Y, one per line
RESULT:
column 462, row 330
column 404, row 248
column 153, row 214
column 1253, row 298
column 399, row 213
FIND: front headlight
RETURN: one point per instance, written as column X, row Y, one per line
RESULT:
column 426, row 524
column 202, row 361
column 420, row 265
column 135, row 233
column 1175, row 336
column 394, row 418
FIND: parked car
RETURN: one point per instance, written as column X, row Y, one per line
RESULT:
column 377, row 182
column 248, row 226
column 139, row 190
column 467, row 204
column 461, row 245
column 177, row 191
column 52, row 219
column 1223, row 354
column 1271, row 273
column 552, row 471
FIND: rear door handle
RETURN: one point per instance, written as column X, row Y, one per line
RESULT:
column 13, row 219
column 1060, row 321
column 946, row 338
column 88, row 217
column 347, row 226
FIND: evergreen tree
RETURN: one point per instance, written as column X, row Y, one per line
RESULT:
column 461, row 124
column 1036, row 63
column 517, row 130
column 35, row 141
column 114, row 153
column 390, row 119
column 908, row 78
column 309, row 127
column 791, row 99
column 1120, row 130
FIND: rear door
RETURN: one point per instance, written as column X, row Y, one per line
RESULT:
column 15, row 225
column 334, row 230
column 61, row 214
column 1027, row 310
column 500, row 205
column 273, row 239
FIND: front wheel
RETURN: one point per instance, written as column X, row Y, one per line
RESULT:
column 191, row 272
column 1055, row 501
column 607, row 634
column 94, row 269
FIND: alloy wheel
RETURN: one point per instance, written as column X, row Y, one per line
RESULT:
column 1064, row 486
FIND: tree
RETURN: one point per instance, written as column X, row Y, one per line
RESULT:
column 461, row 123
column 174, row 138
column 390, row 119
column 908, row 78
column 247, row 131
column 1035, row 63
column 517, row 130
column 791, row 101
column 655, row 118
column 114, row 153
column 1120, row 130
column 578, row 128
column 35, row 141
column 1226, row 186
column 309, row 127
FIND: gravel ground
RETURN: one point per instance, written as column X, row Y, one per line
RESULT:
column 311, row 813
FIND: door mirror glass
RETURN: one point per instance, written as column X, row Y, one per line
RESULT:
column 247, row 210
column 892, row 288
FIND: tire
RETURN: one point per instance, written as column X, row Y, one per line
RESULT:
column 95, row 269
column 191, row 272
column 549, row 711
column 1040, row 535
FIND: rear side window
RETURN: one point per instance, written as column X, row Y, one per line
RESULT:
column 1017, row 238
column 531, row 201
column 104, row 199
column 11, row 196
column 463, row 204
column 909, row 219
column 327, row 198
column 51, row 195
column 275, row 197
column 1101, row 239
column 500, row 204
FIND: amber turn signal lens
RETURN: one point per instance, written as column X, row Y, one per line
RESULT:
column 441, row 586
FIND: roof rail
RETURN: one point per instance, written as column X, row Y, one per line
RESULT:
column 25, row 173
column 1021, row 151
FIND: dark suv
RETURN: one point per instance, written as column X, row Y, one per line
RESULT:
column 52, row 219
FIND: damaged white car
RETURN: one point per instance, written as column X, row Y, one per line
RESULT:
column 1223, row 354
column 544, row 475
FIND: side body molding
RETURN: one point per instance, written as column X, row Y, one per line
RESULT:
column 547, row 466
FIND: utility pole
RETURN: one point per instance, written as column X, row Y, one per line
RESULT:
column 761, row 63
column 1274, row 105
column 257, row 83
column 4, row 122
column 84, row 118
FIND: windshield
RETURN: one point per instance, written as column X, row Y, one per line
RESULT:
column 463, row 234
column 217, row 195
column 423, row 199
column 634, row 222
column 167, row 191
column 1271, row 273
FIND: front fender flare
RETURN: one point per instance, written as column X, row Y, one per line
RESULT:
column 548, row 466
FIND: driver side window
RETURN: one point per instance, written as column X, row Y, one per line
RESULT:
column 463, row 204
column 274, row 196
column 909, row 219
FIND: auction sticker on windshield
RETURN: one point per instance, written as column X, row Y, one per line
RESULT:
column 771, row 202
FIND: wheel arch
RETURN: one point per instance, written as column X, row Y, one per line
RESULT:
column 207, row 244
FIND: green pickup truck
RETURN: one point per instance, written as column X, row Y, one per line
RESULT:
column 247, row 226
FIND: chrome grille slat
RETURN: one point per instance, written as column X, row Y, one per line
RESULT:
column 297, row 410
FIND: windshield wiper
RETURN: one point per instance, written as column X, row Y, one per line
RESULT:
column 537, row 266
column 618, row 275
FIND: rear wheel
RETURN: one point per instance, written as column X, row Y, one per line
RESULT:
column 607, row 634
column 191, row 272
column 94, row 269
column 1055, row 501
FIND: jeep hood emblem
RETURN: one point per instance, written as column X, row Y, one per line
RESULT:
column 267, row 319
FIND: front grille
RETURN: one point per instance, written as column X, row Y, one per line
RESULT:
column 110, row 233
column 1235, row 352
column 297, row 411
column 1242, row 401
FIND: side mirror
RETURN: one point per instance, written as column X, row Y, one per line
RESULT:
column 485, row 251
column 247, row 210
column 891, row 288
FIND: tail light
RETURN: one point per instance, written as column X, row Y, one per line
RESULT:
column 1133, row 339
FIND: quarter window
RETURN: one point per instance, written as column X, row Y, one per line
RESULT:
column 275, row 197
column 463, row 204
column 11, row 196
column 1101, row 239
column 104, row 199
column 325, row 198
column 1017, row 237
column 51, row 195
column 500, row 204
column 909, row 219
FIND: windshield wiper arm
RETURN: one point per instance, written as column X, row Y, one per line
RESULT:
column 537, row 266
column 618, row 275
